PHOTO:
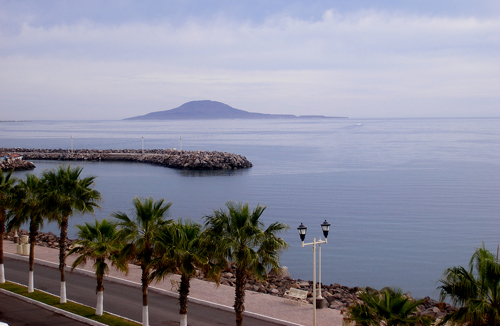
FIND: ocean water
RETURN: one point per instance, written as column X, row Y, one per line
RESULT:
column 406, row 198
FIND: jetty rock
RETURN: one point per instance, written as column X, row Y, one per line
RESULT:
column 172, row 158
column 11, row 161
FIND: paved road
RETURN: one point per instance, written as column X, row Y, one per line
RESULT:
column 13, row 311
column 121, row 299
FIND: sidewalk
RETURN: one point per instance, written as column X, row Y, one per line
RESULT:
column 267, row 306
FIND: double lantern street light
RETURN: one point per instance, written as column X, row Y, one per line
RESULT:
column 325, row 226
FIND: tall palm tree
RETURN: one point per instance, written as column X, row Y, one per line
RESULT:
column 243, row 240
column 28, row 207
column 99, row 243
column 68, row 194
column 140, row 233
column 475, row 290
column 388, row 307
column 7, row 181
column 181, row 250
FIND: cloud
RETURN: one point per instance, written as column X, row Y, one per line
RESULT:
column 364, row 63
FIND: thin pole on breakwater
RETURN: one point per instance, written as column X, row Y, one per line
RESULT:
column 71, row 144
column 181, row 142
column 142, row 145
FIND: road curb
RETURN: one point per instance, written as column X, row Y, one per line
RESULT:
column 54, row 309
column 158, row 290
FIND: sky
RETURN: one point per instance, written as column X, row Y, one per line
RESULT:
column 109, row 60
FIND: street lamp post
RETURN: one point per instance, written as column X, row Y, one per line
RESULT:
column 325, row 226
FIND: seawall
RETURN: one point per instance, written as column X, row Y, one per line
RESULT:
column 176, row 159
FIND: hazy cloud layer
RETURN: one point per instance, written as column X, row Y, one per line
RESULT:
column 336, row 61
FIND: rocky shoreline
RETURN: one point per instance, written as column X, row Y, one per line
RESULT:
column 337, row 296
column 176, row 159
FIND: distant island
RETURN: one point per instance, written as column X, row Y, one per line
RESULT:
column 207, row 109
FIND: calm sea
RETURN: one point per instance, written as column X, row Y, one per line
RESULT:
column 406, row 198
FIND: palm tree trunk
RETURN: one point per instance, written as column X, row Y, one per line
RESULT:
column 145, row 283
column 62, row 257
column 33, row 232
column 239, row 298
column 2, row 232
column 100, row 296
column 183, row 299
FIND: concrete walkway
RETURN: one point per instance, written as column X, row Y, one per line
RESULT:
column 266, row 306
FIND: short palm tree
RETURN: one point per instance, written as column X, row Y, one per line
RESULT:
column 139, row 234
column 242, row 239
column 67, row 194
column 475, row 291
column 388, row 307
column 29, row 207
column 7, row 181
column 99, row 243
column 181, row 250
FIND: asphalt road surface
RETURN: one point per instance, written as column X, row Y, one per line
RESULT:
column 17, row 312
column 121, row 299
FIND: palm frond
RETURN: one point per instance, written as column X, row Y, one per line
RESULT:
column 475, row 291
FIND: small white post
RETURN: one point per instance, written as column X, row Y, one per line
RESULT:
column 315, row 296
column 2, row 274
column 314, row 282
column 142, row 145
column 71, row 144
column 181, row 142
column 319, row 272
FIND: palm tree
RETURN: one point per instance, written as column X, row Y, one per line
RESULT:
column 140, row 233
column 28, row 207
column 6, row 184
column 241, row 239
column 99, row 243
column 181, row 250
column 475, row 290
column 388, row 307
column 67, row 194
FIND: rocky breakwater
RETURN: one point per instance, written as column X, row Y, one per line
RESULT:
column 337, row 296
column 186, row 160
column 43, row 239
